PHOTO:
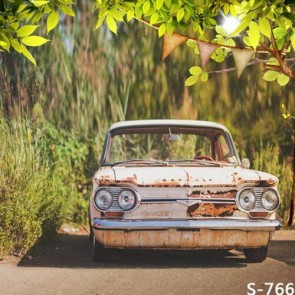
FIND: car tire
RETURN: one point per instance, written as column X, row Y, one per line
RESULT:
column 99, row 253
column 256, row 254
column 91, row 234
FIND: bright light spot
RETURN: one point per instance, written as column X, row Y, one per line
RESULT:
column 230, row 23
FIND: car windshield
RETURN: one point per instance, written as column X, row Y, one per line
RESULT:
column 166, row 145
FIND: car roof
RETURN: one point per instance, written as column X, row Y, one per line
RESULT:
column 165, row 122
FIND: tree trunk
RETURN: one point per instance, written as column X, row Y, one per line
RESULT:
column 291, row 221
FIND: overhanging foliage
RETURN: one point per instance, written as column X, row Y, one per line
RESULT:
column 266, row 33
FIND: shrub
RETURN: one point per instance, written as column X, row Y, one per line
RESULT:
column 42, row 180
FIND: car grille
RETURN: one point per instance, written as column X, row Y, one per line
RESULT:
column 258, row 194
column 115, row 191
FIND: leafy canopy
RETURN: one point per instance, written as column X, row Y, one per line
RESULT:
column 266, row 27
column 265, row 34
column 19, row 21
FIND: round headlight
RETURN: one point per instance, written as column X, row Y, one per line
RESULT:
column 103, row 199
column 247, row 200
column 126, row 199
column 270, row 200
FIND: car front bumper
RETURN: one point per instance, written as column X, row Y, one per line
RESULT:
column 184, row 234
column 213, row 224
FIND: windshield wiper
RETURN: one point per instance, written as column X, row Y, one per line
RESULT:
column 199, row 161
column 141, row 161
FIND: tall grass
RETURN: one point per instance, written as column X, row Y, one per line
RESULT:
column 43, row 180
column 267, row 159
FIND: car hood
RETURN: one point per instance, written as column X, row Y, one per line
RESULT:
column 177, row 176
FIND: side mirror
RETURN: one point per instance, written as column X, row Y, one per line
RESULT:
column 245, row 163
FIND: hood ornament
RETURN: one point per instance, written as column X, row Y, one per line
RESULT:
column 189, row 202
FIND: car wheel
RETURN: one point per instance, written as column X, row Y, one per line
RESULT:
column 256, row 254
column 99, row 253
column 91, row 234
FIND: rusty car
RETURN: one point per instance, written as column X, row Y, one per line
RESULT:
column 179, row 185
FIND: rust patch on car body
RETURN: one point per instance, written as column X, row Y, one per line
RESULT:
column 268, row 183
column 175, row 240
column 211, row 210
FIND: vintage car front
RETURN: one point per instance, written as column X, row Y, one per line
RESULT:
column 178, row 184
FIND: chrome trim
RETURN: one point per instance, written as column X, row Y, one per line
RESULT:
column 115, row 191
column 189, row 200
column 216, row 224
column 257, row 191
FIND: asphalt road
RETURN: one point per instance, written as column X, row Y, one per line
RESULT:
column 64, row 266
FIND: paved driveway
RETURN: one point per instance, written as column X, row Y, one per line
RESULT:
column 64, row 267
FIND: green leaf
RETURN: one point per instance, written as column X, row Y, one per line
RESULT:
column 175, row 8
column 21, row 8
column 220, row 30
column 162, row 30
column 99, row 22
column 112, row 25
column 196, row 50
column 219, row 58
column 233, row 10
column 283, row 79
column 191, row 80
column 26, row 31
column 254, row 34
column 138, row 12
column 16, row 45
column 244, row 24
column 5, row 42
column 191, row 43
column 47, row 9
column 4, row 45
column 68, row 10
column 196, row 70
column 154, row 18
column 34, row 41
column 279, row 33
column 204, row 77
column 226, row 8
column 265, row 27
column 168, row 3
column 159, row 4
column 66, row 2
column 52, row 21
column 270, row 76
column 117, row 14
column 27, row 54
column 180, row 14
column 170, row 28
column 130, row 15
column 146, row 6
column 14, row 25
column 292, row 39
column 36, row 18
column 39, row 3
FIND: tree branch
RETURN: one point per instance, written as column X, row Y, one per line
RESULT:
column 285, row 49
column 277, row 54
column 274, row 68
